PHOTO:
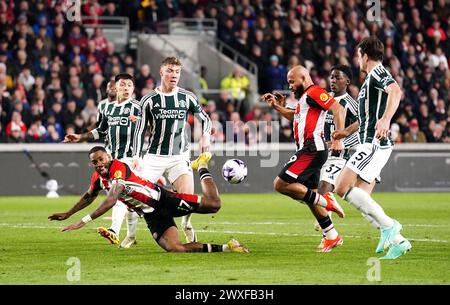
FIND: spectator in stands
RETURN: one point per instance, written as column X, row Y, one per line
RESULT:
column 92, row 9
column 217, row 131
column 212, row 108
column 255, row 114
column 224, row 99
column 89, row 110
column 144, row 79
column 396, row 136
column 402, row 122
column 52, row 136
column 51, row 121
column 239, row 135
column 16, row 135
column 316, row 34
column 203, row 85
column 77, row 37
column 80, row 124
column 26, row 79
column 70, row 114
column 22, row 107
column 95, row 89
column 414, row 135
column 238, row 83
column 35, row 133
column 276, row 74
column 16, row 123
column 440, row 112
column 438, row 134
column 70, row 129
column 37, row 110
column 110, row 10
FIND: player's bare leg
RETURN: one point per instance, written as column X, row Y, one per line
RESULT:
column 324, row 187
column 210, row 199
column 112, row 233
column 319, row 204
column 357, row 192
column 185, row 184
column 301, row 193
column 170, row 242
column 130, row 239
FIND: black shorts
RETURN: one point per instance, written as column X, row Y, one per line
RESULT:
column 304, row 167
column 170, row 205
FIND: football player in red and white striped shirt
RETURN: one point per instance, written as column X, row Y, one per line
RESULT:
column 157, row 205
column 299, row 178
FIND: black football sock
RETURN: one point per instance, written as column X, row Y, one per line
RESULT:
column 212, row 248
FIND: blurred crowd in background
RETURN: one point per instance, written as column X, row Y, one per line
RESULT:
column 53, row 74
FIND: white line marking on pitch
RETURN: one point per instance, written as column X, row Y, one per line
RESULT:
column 31, row 226
column 309, row 235
column 297, row 223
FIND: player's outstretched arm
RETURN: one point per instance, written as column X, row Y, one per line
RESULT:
column 383, row 125
column 74, row 138
column 84, row 201
column 278, row 101
column 107, row 204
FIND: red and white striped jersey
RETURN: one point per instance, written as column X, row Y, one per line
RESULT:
column 139, row 194
column 309, row 117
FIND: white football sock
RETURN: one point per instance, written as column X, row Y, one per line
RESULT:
column 132, row 221
column 186, row 221
column 372, row 221
column 225, row 248
column 330, row 232
column 118, row 213
column 364, row 203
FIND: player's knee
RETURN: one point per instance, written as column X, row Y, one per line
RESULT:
column 280, row 186
column 216, row 204
column 325, row 187
column 341, row 189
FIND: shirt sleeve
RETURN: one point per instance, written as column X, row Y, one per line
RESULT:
column 382, row 78
column 119, row 172
column 101, row 131
column 200, row 114
column 319, row 97
column 95, row 183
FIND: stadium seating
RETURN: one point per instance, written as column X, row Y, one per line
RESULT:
column 48, row 63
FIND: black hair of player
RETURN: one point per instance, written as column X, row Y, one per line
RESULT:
column 96, row 148
column 344, row 69
column 373, row 47
column 123, row 76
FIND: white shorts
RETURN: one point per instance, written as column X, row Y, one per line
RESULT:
column 331, row 169
column 368, row 161
column 156, row 166
column 134, row 163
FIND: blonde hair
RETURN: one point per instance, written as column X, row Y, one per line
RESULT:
column 171, row 60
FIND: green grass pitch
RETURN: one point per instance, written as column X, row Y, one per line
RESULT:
column 278, row 230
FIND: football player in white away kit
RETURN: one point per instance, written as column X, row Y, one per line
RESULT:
column 165, row 110
column 119, row 127
column 340, row 78
column 378, row 100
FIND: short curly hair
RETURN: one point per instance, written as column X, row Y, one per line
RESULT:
column 171, row 60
